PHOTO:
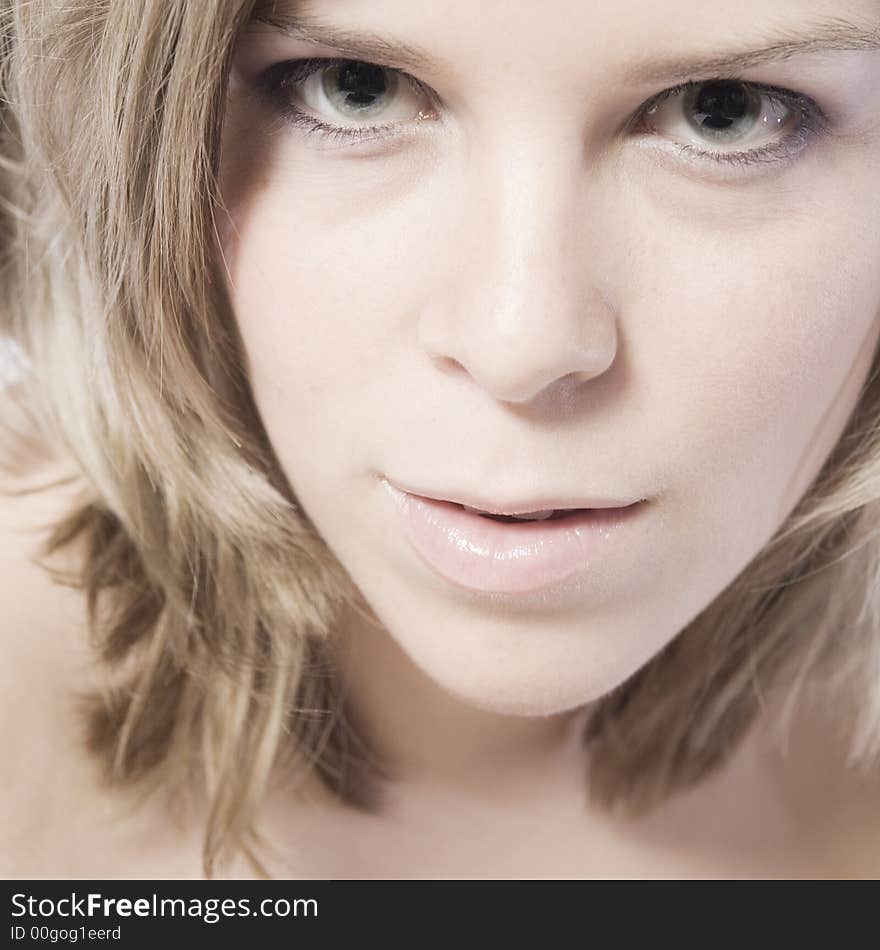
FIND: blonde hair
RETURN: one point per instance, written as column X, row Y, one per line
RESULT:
column 224, row 597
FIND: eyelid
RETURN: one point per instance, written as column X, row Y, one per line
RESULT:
column 789, row 96
column 813, row 120
column 296, row 71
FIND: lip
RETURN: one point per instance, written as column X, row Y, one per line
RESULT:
column 545, row 503
column 480, row 554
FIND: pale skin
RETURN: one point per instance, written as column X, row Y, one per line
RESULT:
column 515, row 291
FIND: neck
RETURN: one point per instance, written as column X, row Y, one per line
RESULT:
column 428, row 734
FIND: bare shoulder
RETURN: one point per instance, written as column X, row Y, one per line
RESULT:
column 37, row 487
column 44, row 658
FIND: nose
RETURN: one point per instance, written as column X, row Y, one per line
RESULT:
column 522, row 314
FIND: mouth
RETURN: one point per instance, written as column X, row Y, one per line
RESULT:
column 494, row 552
column 551, row 514
column 546, row 507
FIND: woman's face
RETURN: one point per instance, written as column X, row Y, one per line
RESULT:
column 541, row 282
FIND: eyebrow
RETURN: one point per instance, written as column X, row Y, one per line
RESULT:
column 828, row 34
column 362, row 44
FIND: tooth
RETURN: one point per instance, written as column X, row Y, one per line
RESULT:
column 537, row 515
column 526, row 516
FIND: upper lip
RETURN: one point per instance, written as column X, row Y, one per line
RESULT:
column 542, row 503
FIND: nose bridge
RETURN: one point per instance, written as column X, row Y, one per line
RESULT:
column 530, row 215
column 526, row 312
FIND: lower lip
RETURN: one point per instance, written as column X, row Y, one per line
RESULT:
column 480, row 554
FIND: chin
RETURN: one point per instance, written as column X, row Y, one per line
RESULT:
column 541, row 675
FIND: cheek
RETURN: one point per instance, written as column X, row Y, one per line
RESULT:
column 754, row 362
column 322, row 313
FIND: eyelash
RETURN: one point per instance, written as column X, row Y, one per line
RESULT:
column 812, row 120
column 293, row 72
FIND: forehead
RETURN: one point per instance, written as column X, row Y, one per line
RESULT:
column 423, row 36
